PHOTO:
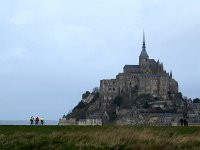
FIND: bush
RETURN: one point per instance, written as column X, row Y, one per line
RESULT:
column 112, row 116
column 196, row 100
column 87, row 92
column 80, row 105
column 85, row 95
column 95, row 90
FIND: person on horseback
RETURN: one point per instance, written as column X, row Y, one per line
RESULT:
column 42, row 120
column 31, row 120
column 37, row 120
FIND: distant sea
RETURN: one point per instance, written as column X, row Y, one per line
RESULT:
column 25, row 122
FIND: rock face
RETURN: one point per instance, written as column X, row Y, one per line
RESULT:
column 145, row 88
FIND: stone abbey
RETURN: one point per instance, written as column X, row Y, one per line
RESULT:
column 148, row 77
column 144, row 94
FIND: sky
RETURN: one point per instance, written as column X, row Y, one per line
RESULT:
column 52, row 51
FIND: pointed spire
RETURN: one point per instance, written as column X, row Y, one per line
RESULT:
column 144, row 52
column 144, row 45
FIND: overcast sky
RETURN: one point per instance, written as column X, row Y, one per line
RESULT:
column 51, row 51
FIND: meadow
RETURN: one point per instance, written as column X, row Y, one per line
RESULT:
column 99, row 137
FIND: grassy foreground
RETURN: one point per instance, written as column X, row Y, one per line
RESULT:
column 99, row 137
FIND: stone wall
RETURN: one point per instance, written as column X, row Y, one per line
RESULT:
column 157, row 86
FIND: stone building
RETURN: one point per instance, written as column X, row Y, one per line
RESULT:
column 148, row 77
column 64, row 121
column 92, row 120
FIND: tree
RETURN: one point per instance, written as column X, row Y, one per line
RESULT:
column 112, row 116
column 87, row 92
column 196, row 100
column 95, row 90
column 85, row 95
column 180, row 95
column 80, row 105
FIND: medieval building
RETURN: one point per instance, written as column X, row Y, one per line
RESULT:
column 144, row 94
column 148, row 77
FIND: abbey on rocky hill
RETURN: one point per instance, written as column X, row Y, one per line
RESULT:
column 137, row 96
column 149, row 77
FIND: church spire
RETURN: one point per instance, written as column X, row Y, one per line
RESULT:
column 144, row 45
column 144, row 52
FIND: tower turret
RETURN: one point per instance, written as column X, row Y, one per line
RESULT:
column 171, row 75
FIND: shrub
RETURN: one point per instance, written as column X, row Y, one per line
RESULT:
column 196, row 100
column 112, row 116
column 80, row 105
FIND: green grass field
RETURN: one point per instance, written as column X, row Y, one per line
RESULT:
column 99, row 137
